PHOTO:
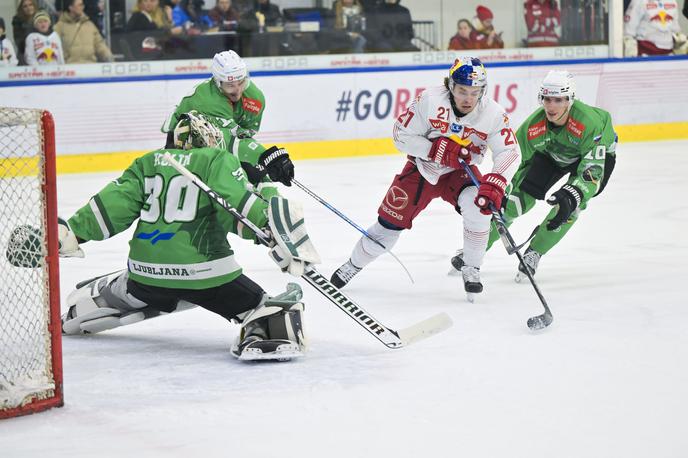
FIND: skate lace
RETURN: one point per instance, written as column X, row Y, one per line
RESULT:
column 347, row 271
column 470, row 274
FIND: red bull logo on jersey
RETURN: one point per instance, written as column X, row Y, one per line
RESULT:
column 252, row 105
column 537, row 130
column 468, row 131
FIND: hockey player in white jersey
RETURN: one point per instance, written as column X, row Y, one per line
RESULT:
column 460, row 109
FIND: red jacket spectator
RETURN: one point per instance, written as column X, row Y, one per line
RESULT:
column 465, row 36
column 484, row 32
column 543, row 22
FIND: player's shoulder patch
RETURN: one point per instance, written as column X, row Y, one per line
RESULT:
column 575, row 127
column 536, row 130
column 251, row 105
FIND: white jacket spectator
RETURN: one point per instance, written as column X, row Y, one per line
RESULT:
column 8, row 57
column 649, row 27
column 43, row 45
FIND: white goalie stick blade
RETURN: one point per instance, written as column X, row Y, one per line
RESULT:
column 426, row 328
column 389, row 337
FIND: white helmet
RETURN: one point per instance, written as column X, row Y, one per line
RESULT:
column 557, row 83
column 195, row 130
column 228, row 67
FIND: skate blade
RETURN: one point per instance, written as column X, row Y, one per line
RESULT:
column 470, row 297
column 453, row 272
column 283, row 353
column 520, row 277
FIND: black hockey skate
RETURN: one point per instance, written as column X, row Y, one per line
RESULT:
column 254, row 348
column 457, row 263
column 471, row 281
column 531, row 258
column 344, row 274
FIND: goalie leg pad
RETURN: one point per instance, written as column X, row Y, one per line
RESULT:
column 103, row 304
column 274, row 329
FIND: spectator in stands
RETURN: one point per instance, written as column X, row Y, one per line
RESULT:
column 485, row 33
column 543, row 20
column 95, row 10
column 685, row 8
column 43, row 45
column 8, row 57
column 49, row 7
column 223, row 16
column 465, row 36
column 348, row 17
column 270, row 11
column 189, row 15
column 168, row 6
column 651, row 28
column 390, row 28
column 22, row 25
column 147, row 15
column 81, row 40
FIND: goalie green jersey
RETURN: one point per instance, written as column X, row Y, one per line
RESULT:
column 180, row 239
column 586, row 138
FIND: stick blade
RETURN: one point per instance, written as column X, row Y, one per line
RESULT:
column 426, row 328
column 536, row 323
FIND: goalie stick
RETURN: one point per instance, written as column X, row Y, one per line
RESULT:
column 535, row 322
column 389, row 337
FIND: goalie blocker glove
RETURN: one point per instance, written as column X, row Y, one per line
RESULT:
column 568, row 198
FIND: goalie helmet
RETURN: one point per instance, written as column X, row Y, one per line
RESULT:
column 195, row 131
column 557, row 83
column 228, row 67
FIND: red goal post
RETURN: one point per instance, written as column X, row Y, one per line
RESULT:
column 30, row 328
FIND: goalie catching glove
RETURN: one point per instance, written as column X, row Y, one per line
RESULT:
column 69, row 245
column 25, row 245
column 292, row 249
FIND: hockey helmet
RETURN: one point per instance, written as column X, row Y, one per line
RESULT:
column 467, row 71
column 557, row 83
column 194, row 130
column 228, row 67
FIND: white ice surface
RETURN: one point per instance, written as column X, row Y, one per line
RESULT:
column 609, row 378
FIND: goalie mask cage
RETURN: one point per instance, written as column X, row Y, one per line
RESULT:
column 30, row 329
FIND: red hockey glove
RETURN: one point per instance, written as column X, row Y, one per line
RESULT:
column 447, row 152
column 491, row 191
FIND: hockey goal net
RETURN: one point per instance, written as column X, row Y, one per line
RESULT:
column 30, row 339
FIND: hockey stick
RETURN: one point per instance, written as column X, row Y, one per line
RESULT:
column 389, row 337
column 535, row 322
column 356, row 226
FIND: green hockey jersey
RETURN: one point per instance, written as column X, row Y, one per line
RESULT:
column 208, row 99
column 586, row 138
column 180, row 239
column 247, row 113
